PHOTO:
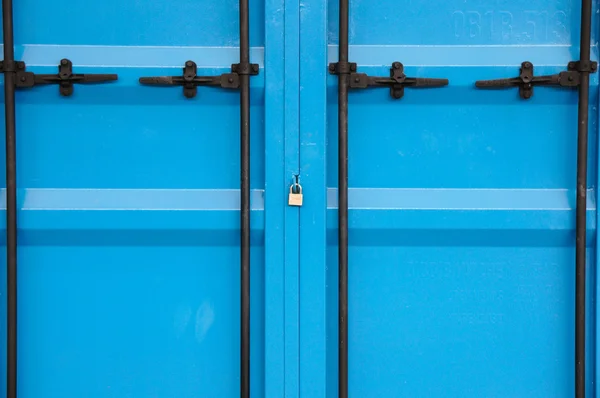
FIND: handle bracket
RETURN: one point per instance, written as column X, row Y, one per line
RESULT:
column 527, row 79
column 190, row 79
column 397, row 81
column 65, row 77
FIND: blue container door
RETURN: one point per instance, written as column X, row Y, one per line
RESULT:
column 462, row 203
column 129, row 259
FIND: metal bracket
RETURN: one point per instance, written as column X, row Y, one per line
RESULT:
column 190, row 79
column 527, row 80
column 245, row 69
column 397, row 81
column 65, row 77
column 342, row 68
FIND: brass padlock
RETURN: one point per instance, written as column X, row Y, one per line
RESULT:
column 295, row 198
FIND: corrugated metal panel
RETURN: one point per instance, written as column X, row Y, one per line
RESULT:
column 461, row 202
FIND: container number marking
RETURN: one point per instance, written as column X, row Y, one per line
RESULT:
column 506, row 26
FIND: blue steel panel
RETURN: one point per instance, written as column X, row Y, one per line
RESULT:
column 275, row 178
column 160, row 324
column 292, row 125
column 464, row 22
column 129, row 205
column 462, row 203
column 136, row 23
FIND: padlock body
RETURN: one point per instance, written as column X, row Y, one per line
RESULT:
column 295, row 199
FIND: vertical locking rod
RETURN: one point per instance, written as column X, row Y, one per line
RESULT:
column 11, row 198
column 581, row 207
column 245, row 200
column 343, row 82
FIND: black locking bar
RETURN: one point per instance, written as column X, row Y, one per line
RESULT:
column 245, row 70
column 527, row 80
column 397, row 80
column 581, row 207
column 11, row 198
column 344, row 69
column 190, row 79
column 65, row 77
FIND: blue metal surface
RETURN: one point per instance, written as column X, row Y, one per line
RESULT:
column 292, row 224
column 313, row 156
column 462, row 204
column 129, row 205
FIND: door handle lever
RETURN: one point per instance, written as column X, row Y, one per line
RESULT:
column 527, row 80
column 190, row 79
column 397, row 81
column 65, row 77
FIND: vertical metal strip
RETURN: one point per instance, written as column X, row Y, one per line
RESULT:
column 245, row 201
column 292, row 220
column 343, row 82
column 276, row 218
column 582, row 160
column 11, row 198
